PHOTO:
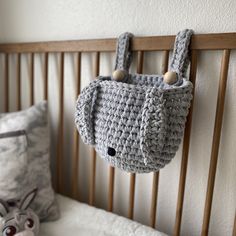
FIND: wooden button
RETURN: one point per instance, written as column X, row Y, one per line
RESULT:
column 170, row 77
column 118, row 75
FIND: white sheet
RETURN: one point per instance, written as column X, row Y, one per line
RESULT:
column 83, row 220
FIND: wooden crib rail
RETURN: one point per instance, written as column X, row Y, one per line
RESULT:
column 153, row 43
column 224, row 41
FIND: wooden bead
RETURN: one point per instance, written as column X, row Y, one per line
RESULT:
column 170, row 77
column 118, row 74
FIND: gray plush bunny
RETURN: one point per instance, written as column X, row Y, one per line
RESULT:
column 17, row 218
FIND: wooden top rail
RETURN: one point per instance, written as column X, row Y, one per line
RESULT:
column 154, row 43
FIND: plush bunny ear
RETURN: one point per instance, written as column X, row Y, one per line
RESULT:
column 3, row 208
column 28, row 199
column 84, row 112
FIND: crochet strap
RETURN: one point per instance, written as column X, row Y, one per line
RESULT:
column 123, row 52
column 180, row 59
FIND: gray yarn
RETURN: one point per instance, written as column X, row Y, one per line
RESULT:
column 123, row 52
column 143, row 118
column 180, row 59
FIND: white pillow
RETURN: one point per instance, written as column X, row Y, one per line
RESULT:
column 24, row 159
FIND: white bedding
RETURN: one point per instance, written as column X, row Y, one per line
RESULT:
column 83, row 220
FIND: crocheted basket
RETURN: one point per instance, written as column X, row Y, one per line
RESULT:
column 136, row 124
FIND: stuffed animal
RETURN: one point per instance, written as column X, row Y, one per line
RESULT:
column 17, row 218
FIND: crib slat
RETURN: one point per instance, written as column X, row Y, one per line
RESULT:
column 93, row 165
column 156, row 175
column 132, row 175
column 60, row 147
column 92, row 179
column 18, row 82
column 234, row 229
column 140, row 62
column 75, row 161
column 131, row 195
column 6, row 83
column 185, row 150
column 155, row 183
column 165, row 61
column 216, row 140
column 31, row 79
column 111, row 188
column 45, row 84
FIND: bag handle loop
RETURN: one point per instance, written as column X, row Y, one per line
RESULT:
column 123, row 52
column 179, row 63
column 180, row 58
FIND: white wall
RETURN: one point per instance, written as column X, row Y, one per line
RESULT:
column 23, row 21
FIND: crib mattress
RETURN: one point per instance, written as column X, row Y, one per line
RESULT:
column 83, row 220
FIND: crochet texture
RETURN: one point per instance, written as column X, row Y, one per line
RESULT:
column 137, row 124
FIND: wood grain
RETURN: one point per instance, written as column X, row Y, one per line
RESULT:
column 75, row 160
column 45, row 84
column 216, row 140
column 111, row 188
column 31, row 79
column 199, row 41
column 131, row 195
column 18, row 82
column 92, row 184
column 234, row 227
column 6, row 83
column 60, row 147
column 165, row 61
column 155, row 183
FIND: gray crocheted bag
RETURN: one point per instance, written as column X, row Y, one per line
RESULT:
column 136, row 121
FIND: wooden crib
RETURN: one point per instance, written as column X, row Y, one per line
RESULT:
column 226, row 42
